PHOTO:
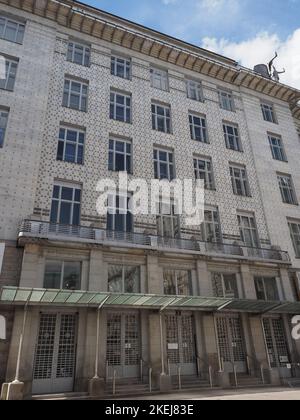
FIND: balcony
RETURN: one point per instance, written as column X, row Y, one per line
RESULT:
column 83, row 234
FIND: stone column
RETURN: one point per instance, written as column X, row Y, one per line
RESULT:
column 286, row 285
column 155, row 275
column 204, row 280
column 98, row 272
column 248, row 282
column 32, row 274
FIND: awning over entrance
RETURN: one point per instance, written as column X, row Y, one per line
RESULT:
column 45, row 297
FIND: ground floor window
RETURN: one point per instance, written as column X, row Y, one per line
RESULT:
column 225, row 285
column 124, row 279
column 177, row 282
column 276, row 342
column 62, row 275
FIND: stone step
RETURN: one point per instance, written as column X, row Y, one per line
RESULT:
column 62, row 396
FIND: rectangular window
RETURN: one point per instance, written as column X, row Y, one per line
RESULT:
column 10, row 75
column 239, row 179
column 119, row 217
column 163, row 164
column 11, row 30
column 277, row 149
column 66, row 201
column 159, row 79
column 62, row 275
column 295, row 236
column 287, row 190
column 161, row 118
column 177, row 283
column 211, row 228
column 71, row 145
column 248, row 230
column 75, row 95
column 226, row 100
column 198, row 128
column 168, row 223
column 120, row 156
column 232, row 137
column 268, row 113
column 203, row 170
column 79, row 53
column 266, row 288
column 124, row 279
column 194, row 90
column 3, row 125
column 121, row 67
column 120, row 107
column 225, row 286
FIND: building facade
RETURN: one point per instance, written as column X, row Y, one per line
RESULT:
column 94, row 302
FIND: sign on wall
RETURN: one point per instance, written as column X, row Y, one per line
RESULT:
column 2, row 248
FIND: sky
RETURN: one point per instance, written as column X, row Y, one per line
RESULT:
column 247, row 31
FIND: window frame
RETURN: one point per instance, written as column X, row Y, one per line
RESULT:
column 123, row 267
column 173, row 220
column 73, row 202
column 166, row 117
column 78, row 144
column 268, row 110
column 288, row 192
column 62, row 273
column 251, row 228
column 114, row 152
column 115, row 210
column 263, row 280
column 9, row 73
column 4, row 113
column 169, row 163
column 294, row 235
column 209, row 179
column 222, row 278
column 277, row 150
column 202, row 126
column 86, row 53
column 20, row 25
column 198, row 89
column 127, row 67
column 175, row 283
column 242, row 178
column 125, row 107
column 81, row 95
column 162, row 76
column 236, row 138
column 227, row 96
column 212, row 229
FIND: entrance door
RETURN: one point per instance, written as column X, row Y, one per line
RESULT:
column 180, row 334
column 277, row 344
column 55, row 355
column 123, row 344
column 231, row 343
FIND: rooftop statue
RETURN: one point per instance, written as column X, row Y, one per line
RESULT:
column 274, row 73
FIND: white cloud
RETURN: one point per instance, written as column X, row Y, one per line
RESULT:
column 260, row 49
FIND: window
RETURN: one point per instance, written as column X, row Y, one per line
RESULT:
column 120, row 153
column 277, row 149
column 75, row 95
column 177, row 283
column 119, row 217
column 248, row 230
column 268, row 113
column 65, row 207
column 62, row 275
column 225, row 286
column 3, row 125
column 194, row 90
column 168, row 225
column 198, row 128
column 232, row 138
column 163, row 164
column 71, row 145
column 120, row 107
column 79, row 54
column 121, row 67
column 266, row 288
column 287, row 189
column 211, row 229
column 161, row 118
column 159, row 79
column 11, row 30
column 295, row 236
column 239, row 179
column 226, row 100
column 124, row 279
column 10, row 75
column 203, row 170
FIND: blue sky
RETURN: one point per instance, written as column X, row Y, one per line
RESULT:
column 248, row 31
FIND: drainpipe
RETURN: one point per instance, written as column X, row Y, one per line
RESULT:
column 265, row 341
column 98, row 337
column 17, row 377
column 217, row 343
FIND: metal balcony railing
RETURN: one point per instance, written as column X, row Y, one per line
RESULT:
column 56, row 231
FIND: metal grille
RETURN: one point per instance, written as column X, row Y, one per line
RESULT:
column 45, row 347
column 237, row 340
column 223, row 339
column 187, row 333
column 114, row 340
column 132, row 340
column 172, row 339
column 276, row 342
column 67, row 347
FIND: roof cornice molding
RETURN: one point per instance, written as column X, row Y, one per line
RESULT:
column 110, row 28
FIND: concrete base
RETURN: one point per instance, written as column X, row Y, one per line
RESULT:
column 97, row 387
column 223, row 379
column 13, row 391
column 165, row 383
column 274, row 377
